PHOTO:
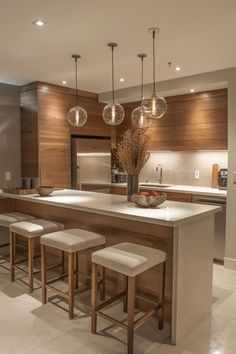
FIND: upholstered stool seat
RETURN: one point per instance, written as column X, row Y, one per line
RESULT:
column 7, row 219
column 130, row 260
column 35, row 228
column 31, row 230
column 71, row 241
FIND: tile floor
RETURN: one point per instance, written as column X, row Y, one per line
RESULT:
column 28, row 327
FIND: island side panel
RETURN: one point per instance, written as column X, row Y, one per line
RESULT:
column 115, row 230
column 192, row 276
column 6, row 205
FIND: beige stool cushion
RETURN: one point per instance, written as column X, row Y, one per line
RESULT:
column 35, row 228
column 73, row 240
column 128, row 258
column 7, row 219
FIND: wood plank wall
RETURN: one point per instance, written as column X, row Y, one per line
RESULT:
column 192, row 122
column 46, row 134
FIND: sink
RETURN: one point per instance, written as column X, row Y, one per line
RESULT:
column 156, row 185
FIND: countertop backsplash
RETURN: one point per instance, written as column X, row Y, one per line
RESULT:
column 179, row 167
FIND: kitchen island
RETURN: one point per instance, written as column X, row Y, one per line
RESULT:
column 184, row 231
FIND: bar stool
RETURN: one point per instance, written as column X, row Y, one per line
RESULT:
column 6, row 220
column 31, row 231
column 70, row 241
column 130, row 260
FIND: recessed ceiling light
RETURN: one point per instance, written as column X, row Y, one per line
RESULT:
column 39, row 23
column 122, row 79
column 177, row 68
column 64, row 82
column 192, row 90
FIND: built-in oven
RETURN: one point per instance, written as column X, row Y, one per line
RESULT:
column 220, row 222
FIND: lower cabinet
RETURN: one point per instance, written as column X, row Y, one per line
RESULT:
column 118, row 190
column 175, row 196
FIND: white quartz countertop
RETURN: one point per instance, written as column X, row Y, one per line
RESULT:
column 169, row 213
column 180, row 188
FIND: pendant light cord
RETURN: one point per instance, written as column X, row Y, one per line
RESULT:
column 112, row 65
column 76, row 82
column 142, row 79
column 154, row 61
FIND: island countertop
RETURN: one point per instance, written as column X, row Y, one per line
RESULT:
column 169, row 213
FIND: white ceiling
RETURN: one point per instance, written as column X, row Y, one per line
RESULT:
column 199, row 36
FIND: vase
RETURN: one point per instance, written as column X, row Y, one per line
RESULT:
column 132, row 186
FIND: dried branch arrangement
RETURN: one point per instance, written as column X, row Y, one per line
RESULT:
column 132, row 151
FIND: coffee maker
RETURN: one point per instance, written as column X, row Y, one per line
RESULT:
column 222, row 178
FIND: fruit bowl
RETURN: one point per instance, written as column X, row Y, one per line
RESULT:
column 148, row 200
column 44, row 191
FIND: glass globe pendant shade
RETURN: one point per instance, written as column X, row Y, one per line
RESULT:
column 77, row 116
column 154, row 107
column 113, row 113
column 139, row 119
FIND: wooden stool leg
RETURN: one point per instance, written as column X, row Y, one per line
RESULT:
column 31, row 264
column 125, row 297
column 76, row 270
column 71, row 284
column 103, row 284
column 63, row 262
column 131, row 301
column 162, row 296
column 12, row 254
column 94, row 297
column 43, row 274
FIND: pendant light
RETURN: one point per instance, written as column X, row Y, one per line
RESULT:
column 155, row 106
column 77, row 116
column 113, row 113
column 138, row 116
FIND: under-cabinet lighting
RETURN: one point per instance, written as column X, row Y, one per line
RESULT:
column 64, row 82
column 177, row 68
column 93, row 154
column 192, row 90
column 122, row 79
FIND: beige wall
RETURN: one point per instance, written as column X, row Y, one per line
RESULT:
column 9, row 135
column 178, row 167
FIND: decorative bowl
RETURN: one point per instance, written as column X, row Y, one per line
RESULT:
column 44, row 191
column 148, row 200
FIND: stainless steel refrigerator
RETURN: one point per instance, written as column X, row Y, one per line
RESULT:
column 91, row 164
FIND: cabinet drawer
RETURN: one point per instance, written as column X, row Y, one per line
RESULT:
column 179, row 197
column 118, row 190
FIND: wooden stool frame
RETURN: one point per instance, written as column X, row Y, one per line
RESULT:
column 2, row 263
column 73, row 279
column 129, row 305
column 31, row 258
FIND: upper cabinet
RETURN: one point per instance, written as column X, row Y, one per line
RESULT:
column 192, row 122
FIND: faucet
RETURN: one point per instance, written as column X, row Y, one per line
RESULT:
column 160, row 169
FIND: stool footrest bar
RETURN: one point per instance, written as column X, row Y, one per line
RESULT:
column 148, row 314
column 109, row 318
column 111, row 300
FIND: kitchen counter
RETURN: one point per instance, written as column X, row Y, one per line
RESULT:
column 169, row 213
column 184, row 231
column 189, row 189
column 180, row 188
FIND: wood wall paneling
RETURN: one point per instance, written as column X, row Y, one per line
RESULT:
column 29, row 134
column 46, row 133
column 192, row 122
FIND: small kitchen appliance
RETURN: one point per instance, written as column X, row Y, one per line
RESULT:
column 222, row 178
